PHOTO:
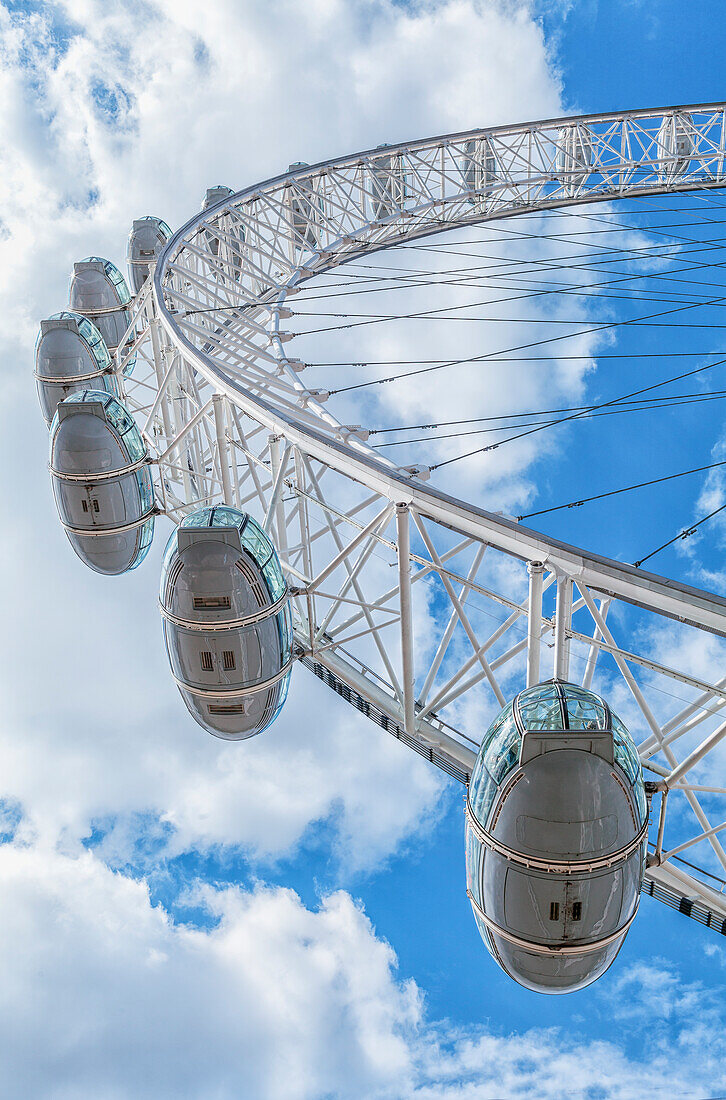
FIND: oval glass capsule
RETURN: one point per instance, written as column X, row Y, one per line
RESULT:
column 556, row 837
column 70, row 356
column 387, row 183
column 147, row 238
column 228, row 242
column 98, row 290
column 102, row 481
column 227, row 622
column 675, row 146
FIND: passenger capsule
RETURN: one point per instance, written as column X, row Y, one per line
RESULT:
column 227, row 622
column 479, row 167
column 147, row 238
column 556, row 837
column 98, row 290
column 216, row 194
column 574, row 157
column 232, row 236
column 101, row 481
column 675, row 146
column 70, row 355
column 387, row 183
column 304, row 206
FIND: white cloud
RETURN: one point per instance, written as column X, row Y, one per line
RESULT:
column 103, row 994
column 114, row 110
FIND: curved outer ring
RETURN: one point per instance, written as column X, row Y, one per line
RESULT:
column 673, row 599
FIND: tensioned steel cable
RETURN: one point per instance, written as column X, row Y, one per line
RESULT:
column 522, row 347
column 378, row 318
column 684, row 534
column 577, row 415
column 526, row 359
column 587, row 415
column 669, row 398
column 626, row 489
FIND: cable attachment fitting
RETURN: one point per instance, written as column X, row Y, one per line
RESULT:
column 313, row 395
column 353, row 431
column 423, row 473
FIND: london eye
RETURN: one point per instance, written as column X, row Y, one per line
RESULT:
column 175, row 407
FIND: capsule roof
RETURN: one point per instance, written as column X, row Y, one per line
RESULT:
column 556, row 707
column 97, row 285
column 80, row 326
column 216, row 194
column 252, row 538
column 111, row 410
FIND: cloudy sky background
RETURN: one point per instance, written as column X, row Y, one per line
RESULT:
column 186, row 918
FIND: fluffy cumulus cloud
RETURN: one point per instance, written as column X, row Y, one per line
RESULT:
column 266, row 998
column 113, row 110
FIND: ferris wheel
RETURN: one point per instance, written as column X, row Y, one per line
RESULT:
column 295, row 541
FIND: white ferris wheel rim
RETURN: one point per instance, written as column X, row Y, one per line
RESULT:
column 357, row 461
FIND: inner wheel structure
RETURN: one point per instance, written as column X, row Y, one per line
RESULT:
column 396, row 603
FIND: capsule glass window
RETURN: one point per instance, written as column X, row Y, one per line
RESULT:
column 256, row 542
column 540, row 709
column 502, row 754
column 114, row 277
column 584, row 710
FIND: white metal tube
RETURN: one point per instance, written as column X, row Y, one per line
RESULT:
column 594, row 650
column 534, row 620
column 404, row 585
column 690, row 762
column 563, row 617
column 218, row 404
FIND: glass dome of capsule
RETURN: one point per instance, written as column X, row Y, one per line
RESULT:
column 109, row 520
column 554, row 706
column 253, row 539
column 99, row 291
column 70, row 355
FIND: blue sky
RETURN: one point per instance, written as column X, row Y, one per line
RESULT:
column 183, row 918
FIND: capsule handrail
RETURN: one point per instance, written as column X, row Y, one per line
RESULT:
column 567, row 867
column 227, row 624
column 545, row 949
column 114, row 529
column 104, row 475
column 252, row 689
column 63, row 379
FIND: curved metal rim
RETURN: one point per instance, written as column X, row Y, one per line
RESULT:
column 105, row 475
column 677, row 600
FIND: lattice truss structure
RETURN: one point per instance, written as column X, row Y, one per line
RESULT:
column 426, row 612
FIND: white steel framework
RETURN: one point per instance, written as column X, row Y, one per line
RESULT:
column 374, row 552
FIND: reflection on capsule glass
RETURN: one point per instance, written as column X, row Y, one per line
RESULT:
column 101, row 481
column 556, row 837
column 70, row 355
column 227, row 622
column 147, row 238
column 98, row 290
